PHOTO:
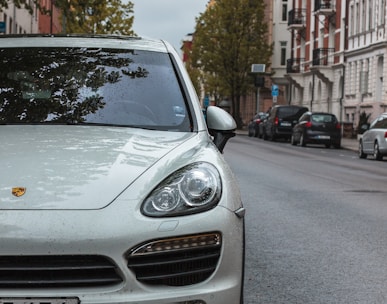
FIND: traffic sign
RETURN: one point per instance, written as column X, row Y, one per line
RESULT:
column 258, row 68
column 274, row 90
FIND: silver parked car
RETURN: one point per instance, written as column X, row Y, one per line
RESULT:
column 374, row 139
column 114, row 188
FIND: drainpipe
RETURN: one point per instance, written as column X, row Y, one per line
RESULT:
column 311, row 101
column 341, row 100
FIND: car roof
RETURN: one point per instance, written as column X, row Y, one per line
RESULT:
column 85, row 40
column 289, row 106
column 319, row 113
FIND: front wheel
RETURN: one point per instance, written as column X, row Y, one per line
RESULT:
column 302, row 141
column 293, row 141
column 377, row 154
column 361, row 152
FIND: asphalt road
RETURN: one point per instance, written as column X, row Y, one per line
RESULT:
column 316, row 223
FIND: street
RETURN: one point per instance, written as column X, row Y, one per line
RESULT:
column 316, row 223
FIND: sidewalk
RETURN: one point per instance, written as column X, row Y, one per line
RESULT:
column 346, row 143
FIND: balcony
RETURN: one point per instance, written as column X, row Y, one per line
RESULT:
column 323, row 57
column 297, row 19
column 324, row 7
column 323, row 60
column 295, row 65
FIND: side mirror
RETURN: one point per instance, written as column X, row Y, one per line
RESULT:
column 221, row 126
column 364, row 127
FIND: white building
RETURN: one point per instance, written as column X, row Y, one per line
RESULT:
column 19, row 21
column 366, row 67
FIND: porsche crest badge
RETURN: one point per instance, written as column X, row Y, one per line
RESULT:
column 18, row 191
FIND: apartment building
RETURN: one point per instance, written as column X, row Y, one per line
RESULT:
column 365, row 59
column 316, row 68
column 18, row 20
column 337, row 57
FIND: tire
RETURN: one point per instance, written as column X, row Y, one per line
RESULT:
column 302, row 141
column 250, row 133
column 377, row 154
column 272, row 137
column 327, row 146
column 337, row 146
column 255, row 133
column 293, row 141
column 361, row 152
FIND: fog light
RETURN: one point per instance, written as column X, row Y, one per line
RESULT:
column 185, row 242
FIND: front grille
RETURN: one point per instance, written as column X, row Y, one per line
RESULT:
column 181, row 263
column 57, row 271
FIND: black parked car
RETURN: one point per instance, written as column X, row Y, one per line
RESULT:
column 253, row 126
column 281, row 120
column 317, row 128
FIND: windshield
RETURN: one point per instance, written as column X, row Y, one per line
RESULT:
column 323, row 118
column 287, row 112
column 91, row 86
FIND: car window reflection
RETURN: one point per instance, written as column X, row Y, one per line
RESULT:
column 99, row 86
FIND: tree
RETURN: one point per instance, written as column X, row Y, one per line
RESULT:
column 230, row 36
column 88, row 16
column 97, row 16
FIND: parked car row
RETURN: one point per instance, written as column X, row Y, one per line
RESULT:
column 298, row 125
column 301, row 126
column 253, row 126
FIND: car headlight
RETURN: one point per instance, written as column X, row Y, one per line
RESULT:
column 192, row 189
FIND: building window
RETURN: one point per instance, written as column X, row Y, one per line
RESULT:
column 370, row 15
column 283, row 52
column 382, row 11
column 352, row 21
column 284, row 10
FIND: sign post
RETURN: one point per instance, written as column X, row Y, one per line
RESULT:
column 274, row 92
column 258, row 70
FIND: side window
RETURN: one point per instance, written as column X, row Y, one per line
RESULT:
column 304, row 117
column 383, row 123
column 380, row 123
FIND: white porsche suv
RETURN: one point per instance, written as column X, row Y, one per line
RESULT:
column 113, row 186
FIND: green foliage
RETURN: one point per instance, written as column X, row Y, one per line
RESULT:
column 89, row 16
column 97, row 16
column 229, row 37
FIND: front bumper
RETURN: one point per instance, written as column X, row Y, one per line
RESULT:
column 43, row 235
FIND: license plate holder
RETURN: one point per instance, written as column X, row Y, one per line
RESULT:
column 39, row 301
column 286, row 124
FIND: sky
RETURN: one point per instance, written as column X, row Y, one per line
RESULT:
column 170, row 20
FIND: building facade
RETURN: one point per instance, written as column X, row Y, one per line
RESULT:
column 316, row 67
column 365, row 59
column 19, row 20
column 337, row 57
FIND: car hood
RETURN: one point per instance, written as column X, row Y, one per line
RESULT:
column 75, row 167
